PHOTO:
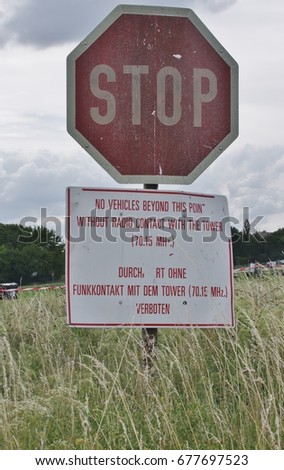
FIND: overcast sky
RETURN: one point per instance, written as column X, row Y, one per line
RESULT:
column 38, row 158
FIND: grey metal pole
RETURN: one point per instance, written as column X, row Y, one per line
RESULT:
column 149, row 335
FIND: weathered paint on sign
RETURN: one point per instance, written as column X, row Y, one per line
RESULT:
column 152, row 95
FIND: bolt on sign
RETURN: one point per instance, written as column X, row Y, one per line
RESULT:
column 148, row 259
column 152, row 95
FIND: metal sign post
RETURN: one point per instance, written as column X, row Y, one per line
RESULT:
column 149, row 335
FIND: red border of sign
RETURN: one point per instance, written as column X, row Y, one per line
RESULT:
column 68, row 258
column 141, row 325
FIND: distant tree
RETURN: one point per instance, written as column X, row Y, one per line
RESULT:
column 236, row 236
column 9, row 234
column 246, row 230
column 11, row 264
column 275, row 242
column 257, row 247
column 30, row 253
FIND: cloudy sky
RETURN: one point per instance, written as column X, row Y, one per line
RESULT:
column 38, row 158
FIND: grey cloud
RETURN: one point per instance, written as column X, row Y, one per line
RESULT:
column 256, row 181
column 250, row 177
column 26, row 186
column 47, row 23
column 218, row 5
column 43, row 23
column 257, row 170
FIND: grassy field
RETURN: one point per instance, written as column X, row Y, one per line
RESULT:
column 64, row 388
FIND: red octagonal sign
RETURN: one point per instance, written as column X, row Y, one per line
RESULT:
column 152, row 95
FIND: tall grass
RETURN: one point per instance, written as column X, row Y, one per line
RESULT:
column 64, row 388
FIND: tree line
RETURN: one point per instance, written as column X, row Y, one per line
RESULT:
column 262, row 247
column 30, row 254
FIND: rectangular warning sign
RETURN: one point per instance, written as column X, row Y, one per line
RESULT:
column 145, row 258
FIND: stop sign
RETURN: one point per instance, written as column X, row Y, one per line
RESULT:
column 152, row 95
